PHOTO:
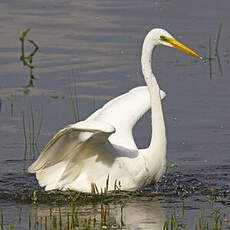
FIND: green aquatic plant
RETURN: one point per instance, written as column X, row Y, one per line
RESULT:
column 11, row 106
column 74, row 100
column 31, row 135
column 20, row 215
column 27, row 60
column 176, row 221
column 2, row 222
column 218, row 38
column 24, row 133
column 123, row 204
column 95, row 191
column 39, row 126
column 213, row 218
column 29, row 222
column 11, row 227
column 74, row 211
column 173, row 165
column 216, row 217
column 35, row 199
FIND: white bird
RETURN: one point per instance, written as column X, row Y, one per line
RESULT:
column 100, row 152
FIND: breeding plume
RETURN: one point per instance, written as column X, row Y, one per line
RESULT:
column 100, row 152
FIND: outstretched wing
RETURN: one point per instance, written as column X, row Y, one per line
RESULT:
column 61, row 160
column 68, row 139
column 123, row 112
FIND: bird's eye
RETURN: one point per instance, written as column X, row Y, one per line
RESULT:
column 164, row 39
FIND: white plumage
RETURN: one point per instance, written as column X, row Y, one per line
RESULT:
column 101, row 151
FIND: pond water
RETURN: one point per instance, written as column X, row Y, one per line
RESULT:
column 92, row 49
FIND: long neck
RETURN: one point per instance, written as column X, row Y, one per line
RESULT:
column 158, row 140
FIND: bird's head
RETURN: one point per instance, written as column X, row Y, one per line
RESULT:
column 162, row 37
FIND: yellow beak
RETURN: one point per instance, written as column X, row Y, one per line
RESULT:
column 183, row 48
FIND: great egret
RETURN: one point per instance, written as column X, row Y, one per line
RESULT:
column 100, row 152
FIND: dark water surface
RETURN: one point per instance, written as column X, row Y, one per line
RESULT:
column 97, row 45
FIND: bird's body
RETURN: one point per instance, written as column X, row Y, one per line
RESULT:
column 100, row 152
column 96, row 147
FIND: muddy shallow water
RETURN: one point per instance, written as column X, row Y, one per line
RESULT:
column 92, row 49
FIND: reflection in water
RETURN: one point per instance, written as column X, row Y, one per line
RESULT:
column 217, row 56
column 217, row 50
column 137, row 214
column 210, row 57
column 148, row 214
column 219, row 64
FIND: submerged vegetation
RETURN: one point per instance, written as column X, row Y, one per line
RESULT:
column 213, row 217
column 106, row 211
column 68, row 215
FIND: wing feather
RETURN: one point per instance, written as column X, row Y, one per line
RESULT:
column 66, row 140
column 123, row 112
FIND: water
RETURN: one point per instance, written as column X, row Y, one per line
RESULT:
column 97, row 45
